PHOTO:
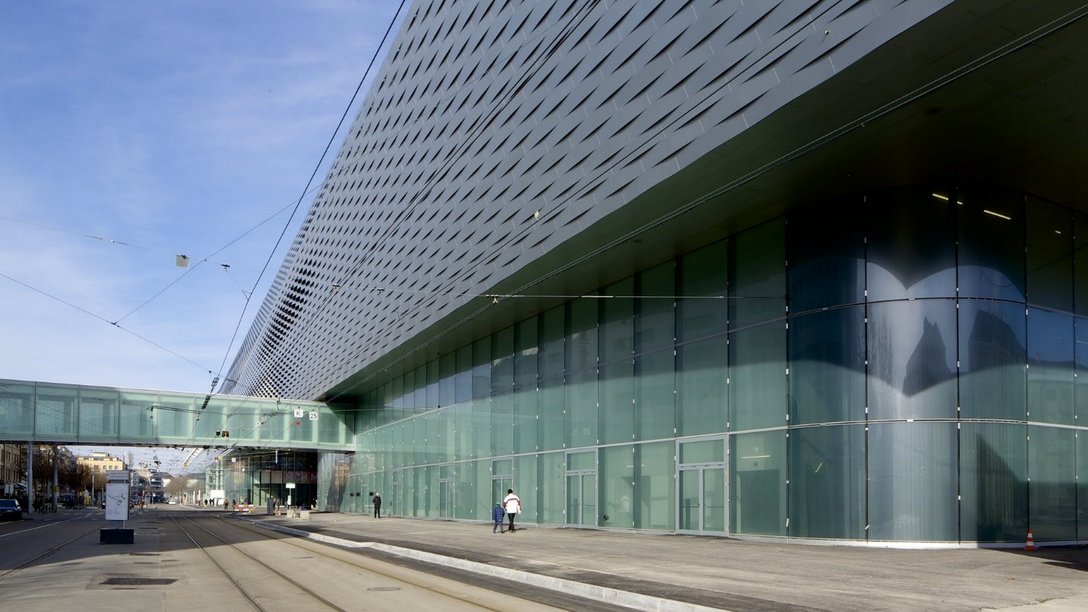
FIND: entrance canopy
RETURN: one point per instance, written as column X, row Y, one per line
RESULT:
column 76, row 414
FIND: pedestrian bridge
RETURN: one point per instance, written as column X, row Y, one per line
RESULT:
column 41, row 412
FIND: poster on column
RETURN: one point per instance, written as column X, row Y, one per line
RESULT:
column 117, row 492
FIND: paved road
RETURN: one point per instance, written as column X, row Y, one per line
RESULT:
column 202, row 560
column 725, row 573
column 407, row 563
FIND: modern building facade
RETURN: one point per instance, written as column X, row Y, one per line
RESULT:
column 801, row 270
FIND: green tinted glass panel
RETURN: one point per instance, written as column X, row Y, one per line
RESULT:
column 582, row 461
column 701, row 309
column 552, row 473
column 617, row 479
column 701, row 386
column 551, row 425
column 527, row 486
column 56, row 411
column 827, row 366
column 1052, row 492
column 757, row 474
column 827, row 482
column 617, row 413
column 992, row 348
column 1050, row 367
column 704, row 451
column 655, row 485
column 757, row 377
column 656, row 320
column 581, row 408
column 993, row 482
column 912, row 482
column 655, row 395
column 713, row 499
column 618, row 322
column 690, row 500
column 98, row 413
column 16, row 408
column 757, row 285
column 582, row 339
column 138, row 418
column 912, row 359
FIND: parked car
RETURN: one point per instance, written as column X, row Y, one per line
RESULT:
column 10, row 510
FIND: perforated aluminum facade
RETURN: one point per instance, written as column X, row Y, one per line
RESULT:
column 499, row 130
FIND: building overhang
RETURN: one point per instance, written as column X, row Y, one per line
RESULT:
column 978, row 93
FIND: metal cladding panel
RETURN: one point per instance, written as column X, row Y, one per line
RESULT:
column 498, row 129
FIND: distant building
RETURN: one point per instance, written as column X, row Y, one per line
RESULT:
column 102, row 462
column 12, row 470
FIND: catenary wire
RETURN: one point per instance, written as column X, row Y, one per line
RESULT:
column 105, row 320
column 306, row 190
column 313, row 174
column 538, row 62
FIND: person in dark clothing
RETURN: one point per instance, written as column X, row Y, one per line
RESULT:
column 377, row 505
column 497, row 514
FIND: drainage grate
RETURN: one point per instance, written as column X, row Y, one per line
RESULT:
column 133, row 581
column 383, row 589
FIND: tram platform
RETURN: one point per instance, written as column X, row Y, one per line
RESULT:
column 682, row 572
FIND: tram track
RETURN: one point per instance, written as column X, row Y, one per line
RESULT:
column 401, row 574
column 252, row 597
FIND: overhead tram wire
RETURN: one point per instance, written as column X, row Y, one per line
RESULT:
column 105, row 320
column 206, row 258
column 804, row 149
column 306, row 190
column 477, row 131
column 83, row 235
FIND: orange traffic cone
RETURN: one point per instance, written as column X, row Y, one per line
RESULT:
column 1030, row 545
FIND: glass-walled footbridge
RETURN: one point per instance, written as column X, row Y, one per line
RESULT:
column 39, row 412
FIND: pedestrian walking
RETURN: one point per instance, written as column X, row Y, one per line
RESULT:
column 377, row 505
column 497, row 514
column 512, row 504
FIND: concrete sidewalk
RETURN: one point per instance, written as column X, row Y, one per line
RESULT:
column 678, row 572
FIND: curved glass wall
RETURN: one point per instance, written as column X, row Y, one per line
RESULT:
column 895, row 367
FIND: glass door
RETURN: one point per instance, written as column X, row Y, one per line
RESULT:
column 702, row 492
column 702, row 499
column 396, row 496
column 582, row 489
column 499, row 486
column 447, row 493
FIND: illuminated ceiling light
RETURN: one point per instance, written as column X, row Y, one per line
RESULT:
column 997, row 214
column 940, row 197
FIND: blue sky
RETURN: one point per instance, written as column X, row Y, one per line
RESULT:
column 132, row 131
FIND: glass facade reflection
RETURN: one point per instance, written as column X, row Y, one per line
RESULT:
column 884, row 379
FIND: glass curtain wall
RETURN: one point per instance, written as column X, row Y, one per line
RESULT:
column 898, row 366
